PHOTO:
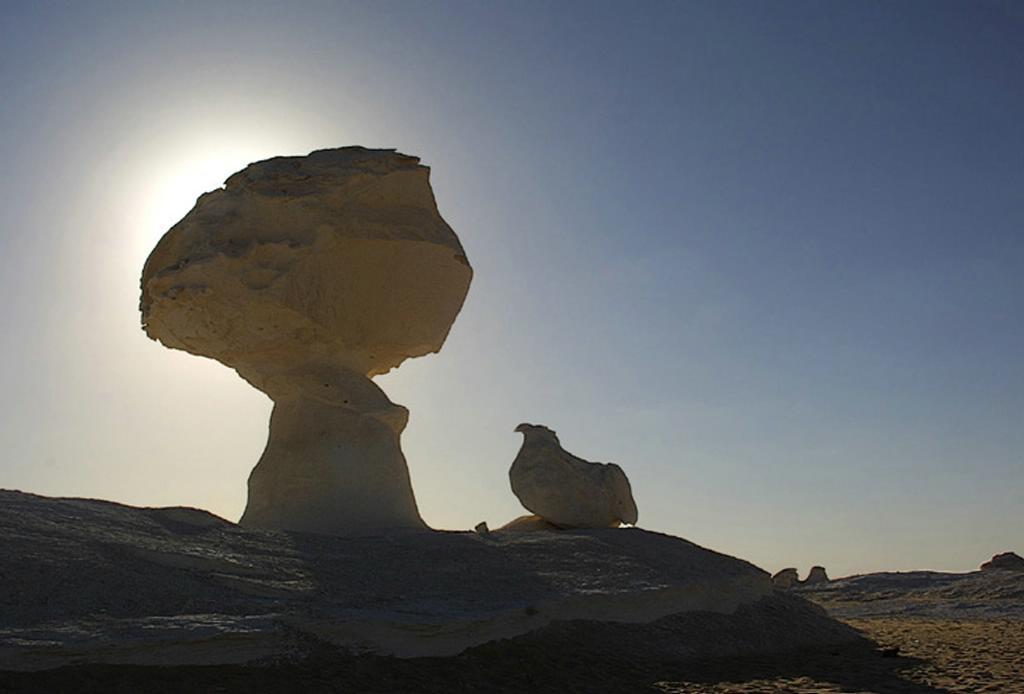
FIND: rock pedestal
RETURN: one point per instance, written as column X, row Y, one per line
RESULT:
column 333, row 462
column 309, row 276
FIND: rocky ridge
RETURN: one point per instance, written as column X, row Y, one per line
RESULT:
column 95, row 581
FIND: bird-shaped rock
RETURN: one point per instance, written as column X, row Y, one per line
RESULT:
column 567, row 491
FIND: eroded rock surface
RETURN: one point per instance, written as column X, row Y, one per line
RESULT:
column 94, row 581
column 567, row 491
column 309, row 275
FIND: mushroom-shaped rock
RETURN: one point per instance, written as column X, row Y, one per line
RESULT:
column 786, row 579
column 308, row 276
column 816, row 576
column 567, row 491
column 1007, row 561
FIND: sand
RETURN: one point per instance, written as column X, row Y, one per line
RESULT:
column 908, row 655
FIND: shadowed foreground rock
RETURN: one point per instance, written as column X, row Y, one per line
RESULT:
column 578, row 656
column 922, row 594
column 93, row 581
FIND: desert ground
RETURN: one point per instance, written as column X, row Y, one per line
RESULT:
column 902, row 655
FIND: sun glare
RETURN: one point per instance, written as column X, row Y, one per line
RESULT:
column 183, row 179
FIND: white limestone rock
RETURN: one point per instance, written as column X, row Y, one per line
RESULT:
column 567, row 491
column 309, row 275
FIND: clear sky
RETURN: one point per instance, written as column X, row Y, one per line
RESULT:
column 767, row 256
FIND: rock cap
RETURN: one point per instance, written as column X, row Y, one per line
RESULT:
column 338, row 257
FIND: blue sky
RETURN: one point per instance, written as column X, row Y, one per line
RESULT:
column 766, row 256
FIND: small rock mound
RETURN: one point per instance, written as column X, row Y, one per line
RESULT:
column 816, row 576
column 786, row 579
column 1007, row 561
column 92, row 581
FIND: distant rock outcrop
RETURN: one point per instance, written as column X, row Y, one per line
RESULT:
column 922, row 594
column 816, row 576
column 786, row 579
column 567, row 491
column 789, row 578
column 1007, row 561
